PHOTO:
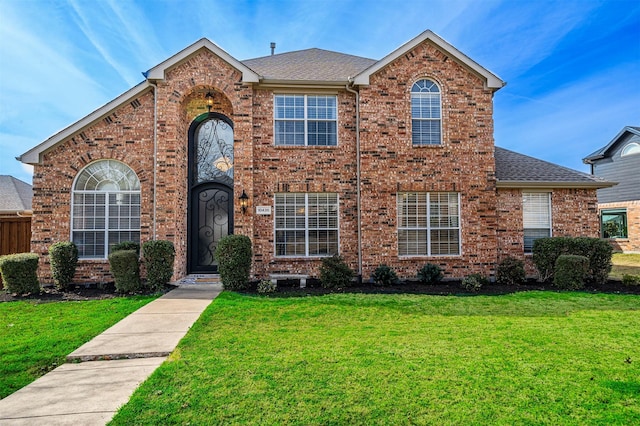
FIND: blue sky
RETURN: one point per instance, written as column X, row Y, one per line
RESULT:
column 572, row 67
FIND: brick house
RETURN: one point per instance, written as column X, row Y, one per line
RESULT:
column 619, row 206
column 309, row 153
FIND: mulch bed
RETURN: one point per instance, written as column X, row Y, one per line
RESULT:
column 291, row 288
column 51, row 294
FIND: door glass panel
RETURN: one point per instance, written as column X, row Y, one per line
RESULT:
column 214, row 152
column 213, row 223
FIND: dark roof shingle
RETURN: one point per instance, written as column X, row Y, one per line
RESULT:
column 309, row 65
column 520, row 169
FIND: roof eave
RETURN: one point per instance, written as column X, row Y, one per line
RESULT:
column 158, row 72
column 602, row 152
column 527, row 184
column 492, row 80
column 34, row 155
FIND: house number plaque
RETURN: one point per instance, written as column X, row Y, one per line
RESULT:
column 263, row 210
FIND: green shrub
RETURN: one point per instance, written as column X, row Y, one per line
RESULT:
column 510, row 271
column 430, row 274
column 547, row 250
column 630, row 280
column 384, row 275
column 474, row 282
column 570, row 272
column 233, row 255
column 64, row 259
column 125, row 269
column 19, row 273
column 335, row 273
column 126, row 245
column 267, row 286
column 158, row 259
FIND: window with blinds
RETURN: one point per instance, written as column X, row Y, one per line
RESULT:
column 536, row 207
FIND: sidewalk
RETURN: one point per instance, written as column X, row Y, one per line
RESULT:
column 114, row 363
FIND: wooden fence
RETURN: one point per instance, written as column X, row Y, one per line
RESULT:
column 15, row 235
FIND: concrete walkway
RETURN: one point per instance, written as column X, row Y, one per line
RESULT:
column 114, row 363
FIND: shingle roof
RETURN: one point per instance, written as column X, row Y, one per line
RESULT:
column 519, row 170
column 309, row 65
column 15, row 195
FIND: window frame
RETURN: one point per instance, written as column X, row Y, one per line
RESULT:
column 528, row 248
column 615, row 211
column 428, row 218
column 630, row 149
column 305, row 119
column 112, row 199
column 306, row 229
column 420, row 94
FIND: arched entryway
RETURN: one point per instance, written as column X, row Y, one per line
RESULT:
column 210, row 212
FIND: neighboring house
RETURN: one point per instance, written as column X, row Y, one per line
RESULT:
column 309, row 153
column 619, row 161
column 15, row 215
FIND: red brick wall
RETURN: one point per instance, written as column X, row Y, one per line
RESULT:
column 573, row 214
column 631, row 244
column 464, row 163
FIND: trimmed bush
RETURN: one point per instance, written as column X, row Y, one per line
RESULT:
column 126, row 245
column 510, row 271
column 630, row 280
column 335, row 273
column 570, row 272
column 267, row 286
column 64, row 259
column 430, row 274
column 384, row 275
column 233, row 255
column 474, row 282
column 125, row 269
column 547, row 250
column 19, row 273
column 158, row 257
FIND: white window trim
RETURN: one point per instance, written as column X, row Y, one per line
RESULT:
column 630, row 149
column 305, row 120
column 306, row 228
column 549, row 193
column 441, row 119
column 428, row 228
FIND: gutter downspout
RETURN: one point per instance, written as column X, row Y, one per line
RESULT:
column 155, row 153
column 359, row 212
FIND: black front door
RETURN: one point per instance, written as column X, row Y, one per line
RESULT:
column 211, row 219
column 210, row 213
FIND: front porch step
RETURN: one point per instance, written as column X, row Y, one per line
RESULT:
column 199, row 279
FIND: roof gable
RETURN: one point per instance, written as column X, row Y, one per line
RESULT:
column 515, row 170
column 492, row 80
column 606, row 150
column 15, row 195
column 158, row 72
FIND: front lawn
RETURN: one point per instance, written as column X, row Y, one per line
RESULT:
column 36, row 337
column 625, row 263
column 524, row 358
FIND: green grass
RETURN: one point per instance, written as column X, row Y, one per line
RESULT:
column 625, row 264
column 35, row 338
column 525, row 358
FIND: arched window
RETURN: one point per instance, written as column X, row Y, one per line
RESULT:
column 632, row 148
column 105, row 208
column 426, row 113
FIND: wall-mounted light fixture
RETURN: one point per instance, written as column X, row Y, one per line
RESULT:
column 244, row 201
column 209, row 98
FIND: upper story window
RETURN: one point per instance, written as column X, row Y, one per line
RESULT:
column 536, row 208
column 306, row 120
column 631, row 148
column 426, row 108
column 105, row 208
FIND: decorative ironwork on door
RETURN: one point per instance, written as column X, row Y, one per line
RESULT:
column 211, row 183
